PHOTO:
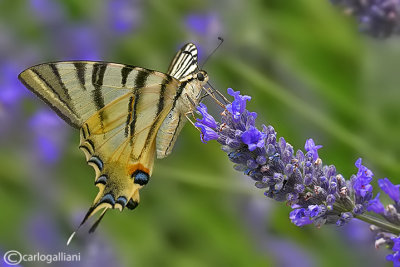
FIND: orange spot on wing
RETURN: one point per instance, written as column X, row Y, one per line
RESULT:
column 138, row 166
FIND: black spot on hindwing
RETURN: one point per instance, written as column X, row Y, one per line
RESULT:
column 101, row 180
column 107, row 198
column 140, row 177
column 132, row 204
column 97, row 161
column 122, row 201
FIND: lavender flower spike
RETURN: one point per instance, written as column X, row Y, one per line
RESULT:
column 301, row 179
column 317, row 193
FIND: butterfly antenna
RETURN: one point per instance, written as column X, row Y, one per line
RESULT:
column 221, row 40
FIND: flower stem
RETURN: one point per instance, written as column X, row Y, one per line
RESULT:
column 385, row 225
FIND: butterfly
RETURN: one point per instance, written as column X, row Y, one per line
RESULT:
column 126, row 115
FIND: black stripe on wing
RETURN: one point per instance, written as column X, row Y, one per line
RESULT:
column 60, row 81
column 80, row 73
column 124, row 74
column 129, row 116
column 97, row 82
column 184, row 63
column 140, row 82
column 161, row 101
column 160, row 108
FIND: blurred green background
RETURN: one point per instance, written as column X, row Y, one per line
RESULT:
column 310, row 75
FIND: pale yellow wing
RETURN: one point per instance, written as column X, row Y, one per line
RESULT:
column 78, row 89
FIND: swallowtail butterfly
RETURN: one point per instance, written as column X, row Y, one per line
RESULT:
column 126, row 115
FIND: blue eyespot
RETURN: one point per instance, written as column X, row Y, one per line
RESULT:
column 101, row 180
column 122, row 201
column 140, row 177
column 108, row 198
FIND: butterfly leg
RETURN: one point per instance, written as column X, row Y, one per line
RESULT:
column 190, row 119
column 190, row 112
column 211, row 92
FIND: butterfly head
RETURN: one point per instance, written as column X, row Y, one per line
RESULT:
column 195, row 83
column 202, row 76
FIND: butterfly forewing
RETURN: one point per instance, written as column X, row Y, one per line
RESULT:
column 77, row 89
column 184, row 63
